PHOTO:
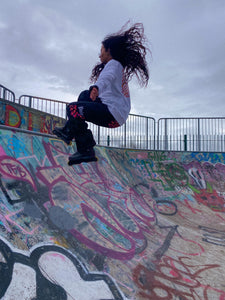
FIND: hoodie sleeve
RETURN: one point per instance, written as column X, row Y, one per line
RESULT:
column 107, row 75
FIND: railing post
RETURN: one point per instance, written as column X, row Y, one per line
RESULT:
column 158, row 134
column 199, row 142
column 4, row 93
column 98, row 135
column 125, row 135
column 108, row 140
column 30, row 101
column 166, row 137
column 154, row 134
column 185, row 142
column 146, row 132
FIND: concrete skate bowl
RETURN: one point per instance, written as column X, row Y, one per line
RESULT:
column 135, row 225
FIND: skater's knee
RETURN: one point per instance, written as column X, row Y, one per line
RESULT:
column 84, row 96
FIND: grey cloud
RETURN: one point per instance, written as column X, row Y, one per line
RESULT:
column 50, row 47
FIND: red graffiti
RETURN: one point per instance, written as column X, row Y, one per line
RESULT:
column 173, row 278
column 211, row 199
column 12, row 117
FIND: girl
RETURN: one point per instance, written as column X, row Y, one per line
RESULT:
column 107, row 102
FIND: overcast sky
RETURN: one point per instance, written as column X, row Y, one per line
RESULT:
column 49, row 47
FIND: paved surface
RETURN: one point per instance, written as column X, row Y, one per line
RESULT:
column 135, row 225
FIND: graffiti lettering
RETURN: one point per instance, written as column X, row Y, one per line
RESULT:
column 59, row 274
column 14, row 170
column 135, row 214
column 172, row 278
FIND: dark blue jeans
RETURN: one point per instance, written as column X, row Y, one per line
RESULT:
column 85, row 109
column 91, row 111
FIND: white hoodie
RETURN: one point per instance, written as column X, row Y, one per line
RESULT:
column 114, row 90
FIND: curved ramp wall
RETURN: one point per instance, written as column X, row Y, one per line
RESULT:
column 134, row 225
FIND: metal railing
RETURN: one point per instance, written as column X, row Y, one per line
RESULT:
column 50, row 106
column 191, row 134
column 140, row 132
column 6, row 94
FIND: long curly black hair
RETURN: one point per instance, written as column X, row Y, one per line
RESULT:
column 128, row 47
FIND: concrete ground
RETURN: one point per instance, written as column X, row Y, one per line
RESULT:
column 135, row 225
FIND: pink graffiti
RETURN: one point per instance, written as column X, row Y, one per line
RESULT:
column 12, row 168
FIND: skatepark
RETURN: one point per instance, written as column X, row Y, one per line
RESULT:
column 137, row 224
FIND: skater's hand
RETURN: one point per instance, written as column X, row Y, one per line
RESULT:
column 94, row 93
